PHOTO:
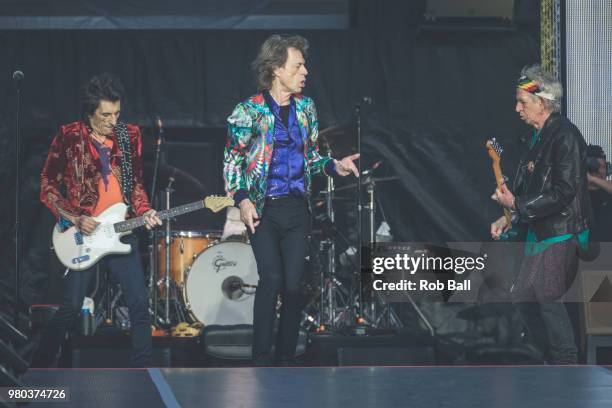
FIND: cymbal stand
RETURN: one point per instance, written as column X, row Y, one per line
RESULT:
column 171, row 294
column 153, row 235
column 370, row 208
column 360, row 310
column 153, row 268
column 166, row 279
column 327, row 295
column 377, row 316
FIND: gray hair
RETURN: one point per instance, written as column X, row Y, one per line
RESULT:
column 548, row 85
column 273, row 54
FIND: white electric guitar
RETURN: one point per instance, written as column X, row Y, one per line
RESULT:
column 79, row 252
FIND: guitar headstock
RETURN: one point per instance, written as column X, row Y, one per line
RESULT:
column 217, row 203
column 494, row 149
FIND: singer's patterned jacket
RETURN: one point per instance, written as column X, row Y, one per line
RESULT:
column 74, row 162
column 250, row 143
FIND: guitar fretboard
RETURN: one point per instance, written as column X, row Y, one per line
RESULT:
column 133, row 223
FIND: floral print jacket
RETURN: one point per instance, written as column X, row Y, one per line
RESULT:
column 250, row 143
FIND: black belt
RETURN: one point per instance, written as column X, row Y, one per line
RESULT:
column 285, row 197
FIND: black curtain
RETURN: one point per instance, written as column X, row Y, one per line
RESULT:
column 437, row 97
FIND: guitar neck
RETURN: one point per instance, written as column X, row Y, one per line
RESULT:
column 133, row 223
column 499, row 178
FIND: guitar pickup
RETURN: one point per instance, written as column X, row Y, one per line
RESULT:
column 80, row 259
column 78, row 238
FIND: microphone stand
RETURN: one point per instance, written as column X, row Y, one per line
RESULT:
column 18, row 77
column 153, row 261
column 359, row 208
column 157, row 151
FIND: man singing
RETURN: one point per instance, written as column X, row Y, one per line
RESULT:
column 98, row 161
column 270, row 157
column 551, row 200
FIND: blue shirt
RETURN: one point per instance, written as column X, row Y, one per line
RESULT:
column 286, row 174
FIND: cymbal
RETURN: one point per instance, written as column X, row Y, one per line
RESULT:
column 340, row 139
column 183, row 181
column 338, row 129
column 365, row 181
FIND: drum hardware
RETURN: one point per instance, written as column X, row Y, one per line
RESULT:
column 184, row 329
column 375, row 311
column 169, row 191
column 153, row 266
column 311, row 323
column 170, row 295
column 334, row 301
column 378, row 312
column 105, row 297
column 153, row 280
column 358, row 112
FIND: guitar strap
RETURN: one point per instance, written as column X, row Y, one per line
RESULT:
column 127, row 179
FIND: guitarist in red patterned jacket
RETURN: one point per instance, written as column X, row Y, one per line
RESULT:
column 98, row 162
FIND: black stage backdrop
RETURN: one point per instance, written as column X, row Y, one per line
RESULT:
column 437, row 96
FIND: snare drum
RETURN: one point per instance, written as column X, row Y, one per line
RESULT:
column 184, row 248
column 220, row 284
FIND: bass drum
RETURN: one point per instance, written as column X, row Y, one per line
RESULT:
column 220, row 285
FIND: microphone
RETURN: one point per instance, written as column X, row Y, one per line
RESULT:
column 236, row 283
column 171, row 179
column 366, row 100
column 363, row 101
column 18, row 77
column 371, row 169
column 160, row 130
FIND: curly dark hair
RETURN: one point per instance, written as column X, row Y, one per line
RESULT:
column 273, row 54
column 101, row 87
column 595, row 151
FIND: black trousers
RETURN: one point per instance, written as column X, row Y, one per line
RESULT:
column 543, row 280
column 279, row 243
column 127, row 271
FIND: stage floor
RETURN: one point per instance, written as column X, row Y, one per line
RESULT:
column 344, row 387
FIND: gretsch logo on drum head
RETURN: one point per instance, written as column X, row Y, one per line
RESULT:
column 220, row 263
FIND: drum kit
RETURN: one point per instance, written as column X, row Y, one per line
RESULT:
column 199, row 279
column 195, row 277
column 211, row 281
